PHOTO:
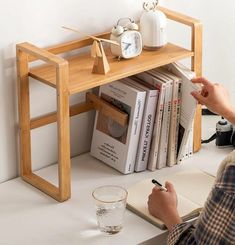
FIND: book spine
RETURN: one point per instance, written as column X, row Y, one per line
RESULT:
column 162, row 155
column 185, row 154
column 178, row 119
column 184, row 144
column 171, row 154
column 188, row 145
column 185, row 70
column 154, row 148
column 146, row 131
column 190, row 148
column 135, row 133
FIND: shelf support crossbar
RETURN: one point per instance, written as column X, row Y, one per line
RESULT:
column 42, row 185
column 52, row 117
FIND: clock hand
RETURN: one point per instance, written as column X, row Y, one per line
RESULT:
column 127, row 45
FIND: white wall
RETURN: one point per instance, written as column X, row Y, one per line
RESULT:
column 218, row 37
column 39, row 22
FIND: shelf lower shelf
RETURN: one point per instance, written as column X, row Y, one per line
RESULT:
column 80, row 67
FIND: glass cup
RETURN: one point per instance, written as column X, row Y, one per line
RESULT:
column 110, row 204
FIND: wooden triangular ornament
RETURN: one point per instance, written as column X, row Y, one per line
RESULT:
column 95, row 50
column 101, row 65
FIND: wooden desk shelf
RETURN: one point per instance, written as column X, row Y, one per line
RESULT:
column 73, row 75
column 80, row 67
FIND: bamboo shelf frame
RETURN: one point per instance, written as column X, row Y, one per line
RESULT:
column 73, row 75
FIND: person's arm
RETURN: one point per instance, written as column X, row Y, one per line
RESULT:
column 214, row 226
column 216, row 98
column 163, row 205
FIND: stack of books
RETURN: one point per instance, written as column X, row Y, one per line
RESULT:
column 159, row 131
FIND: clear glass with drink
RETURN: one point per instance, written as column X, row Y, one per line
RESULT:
column 110, row 204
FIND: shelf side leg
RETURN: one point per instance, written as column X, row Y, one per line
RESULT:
column 24, row 113
column 197, row 68
column 63, row 131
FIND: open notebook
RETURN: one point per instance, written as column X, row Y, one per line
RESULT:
column 192, row 187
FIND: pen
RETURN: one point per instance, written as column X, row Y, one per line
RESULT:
column 161, row 187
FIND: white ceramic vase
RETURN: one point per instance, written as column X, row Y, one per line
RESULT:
column 153, row 29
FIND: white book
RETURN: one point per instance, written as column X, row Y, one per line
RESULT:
column 185, row 154
column 161, row 87
column 188, row 105
column 163, row 144
column 188, row 151
column 147, row 122
column 112, row 143
column 187, row 146
column 175, row 115
column 190, row 147
column 177, row 143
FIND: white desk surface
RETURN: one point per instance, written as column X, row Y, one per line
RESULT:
column 29, row 217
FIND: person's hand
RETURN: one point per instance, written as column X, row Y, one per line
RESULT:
column 215, row 97
column 163, row 205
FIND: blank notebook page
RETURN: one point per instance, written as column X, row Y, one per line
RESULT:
column 192, row 184
column 192, row 189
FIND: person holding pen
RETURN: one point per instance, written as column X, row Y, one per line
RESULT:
column 216, row 224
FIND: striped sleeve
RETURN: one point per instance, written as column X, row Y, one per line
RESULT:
column 217, row 222
column 181, row 234
column 216, row 225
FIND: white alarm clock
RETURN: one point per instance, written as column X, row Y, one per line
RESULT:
column 129, row 39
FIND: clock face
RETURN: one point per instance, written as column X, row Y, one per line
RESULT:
column 131, row 44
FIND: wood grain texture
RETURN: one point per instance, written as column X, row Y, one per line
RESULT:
column 40, row 53
column 197, row 134
column 101, row 65
column 63, row 129
column 107, row 109
column 43, row 185
column 72, row 45
column 80, row 67
column 93, row 102
column 74, row 74
column 52, row 117
column 24, row 112
column 178, row 17
column 197, row 68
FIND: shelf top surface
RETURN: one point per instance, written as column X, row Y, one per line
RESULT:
column 80, row 67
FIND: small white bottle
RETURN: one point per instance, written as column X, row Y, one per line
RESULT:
column 153, row 27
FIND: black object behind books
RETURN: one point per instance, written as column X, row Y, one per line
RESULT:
column 207, row 112
column 224, row 136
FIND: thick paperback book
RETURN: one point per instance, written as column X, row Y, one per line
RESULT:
column 147, row 122
column 161, row 87
column 112, row 143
